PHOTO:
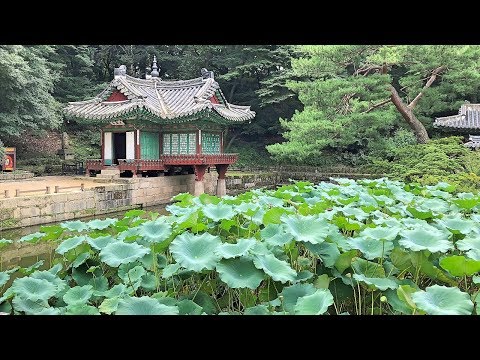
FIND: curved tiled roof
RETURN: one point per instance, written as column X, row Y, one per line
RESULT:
column 468, row 118
column 165, row 101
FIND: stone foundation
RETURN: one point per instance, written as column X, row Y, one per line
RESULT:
column 123, row 194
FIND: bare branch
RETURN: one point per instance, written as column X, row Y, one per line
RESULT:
column 373, row 107
column 430, row 81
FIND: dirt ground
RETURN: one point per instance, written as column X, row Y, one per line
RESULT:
column 42, row 182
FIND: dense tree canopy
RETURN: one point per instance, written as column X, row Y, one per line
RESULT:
column 357, row 97
column 36, row 80
column 27, row 80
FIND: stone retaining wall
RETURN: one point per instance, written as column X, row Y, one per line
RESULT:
column 122, row 194
column 5, row 176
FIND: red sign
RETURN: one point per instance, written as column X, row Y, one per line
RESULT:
column 10, row 159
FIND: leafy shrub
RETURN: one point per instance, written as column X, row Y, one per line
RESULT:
column 366, row 247
column 441, row 160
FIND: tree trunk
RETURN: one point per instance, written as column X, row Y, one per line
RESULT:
column 230, row 143
column 417, row 127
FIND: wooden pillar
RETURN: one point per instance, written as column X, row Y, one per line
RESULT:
column 102, row 151
column 221, row 183
column 199, row 174
column 199, row 141
column 137, row 144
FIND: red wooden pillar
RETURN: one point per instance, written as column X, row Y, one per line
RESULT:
column 137, row 144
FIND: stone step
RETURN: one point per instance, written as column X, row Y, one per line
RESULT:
column 109, row 173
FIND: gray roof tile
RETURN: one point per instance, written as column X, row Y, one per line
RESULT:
column 165, row 100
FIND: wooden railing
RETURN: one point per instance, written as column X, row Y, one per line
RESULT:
column 59, row 188
column 165, row 160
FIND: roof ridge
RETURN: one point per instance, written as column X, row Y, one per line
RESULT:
column 161, row 100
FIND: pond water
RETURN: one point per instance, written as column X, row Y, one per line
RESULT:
column 25, row 254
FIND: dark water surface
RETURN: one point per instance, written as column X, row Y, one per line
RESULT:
column 25, row 254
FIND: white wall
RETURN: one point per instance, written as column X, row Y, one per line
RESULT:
column 130, row 145
column 107, row 146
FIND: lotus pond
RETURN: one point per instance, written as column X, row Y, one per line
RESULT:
column 348, row 247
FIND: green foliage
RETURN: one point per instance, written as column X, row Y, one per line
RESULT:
column 413, row 250
column 441, row 160
column 345, row 90
column 27, row 79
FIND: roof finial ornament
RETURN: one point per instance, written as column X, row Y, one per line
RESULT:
column 154, row 72
column 206, row 74
column 120, row 71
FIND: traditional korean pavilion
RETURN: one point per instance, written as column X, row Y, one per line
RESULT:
column 152, row 126
column 467, row 120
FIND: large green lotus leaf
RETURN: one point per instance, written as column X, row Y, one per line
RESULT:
column 4, row 243
column 442, row 300
column 380, row 233
column 277, row 269
column 396, row 303
column 128, row 235
column 217, row 212
column 273, row 215
column 368, row 268
column 81, row 309
column 117, row 253
column 292, row 293
column 100, row 242
column 359, row 214
column 257, row 310
column 69, row 244
column 170, row 270
column 466, row 203
column 437, row 206
column 344, row 260
column 260, row 249
column 115, row 291
column 4, row 277
column 257, row 218
column 78, row 295
column 377, row 283
column 27, row 306
column 457, row 225
column 275, row 235
column 49, row 311
column 60, row 284
column 303, row 275
column 196, row 252
column 99, row 283
column 228, row 251
column 468, row 243
column 328, row 252
column 149, row 282
column 155, row 231
column 308, row 228
column 460, row 265
column 144, row 306
column 76, row 225
column 34, row 289
column 418, row 261
column 131, row 276
column 421, row 239
column 188, row 307
column 240, row 273
column 419, row 214
column 81, row 258
column 371, row 248
column 270, row 201
column 314, row 304
column 98, row 224
column 109, row 305
column 178, row 210
column 246, row 208
column 33, row 238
